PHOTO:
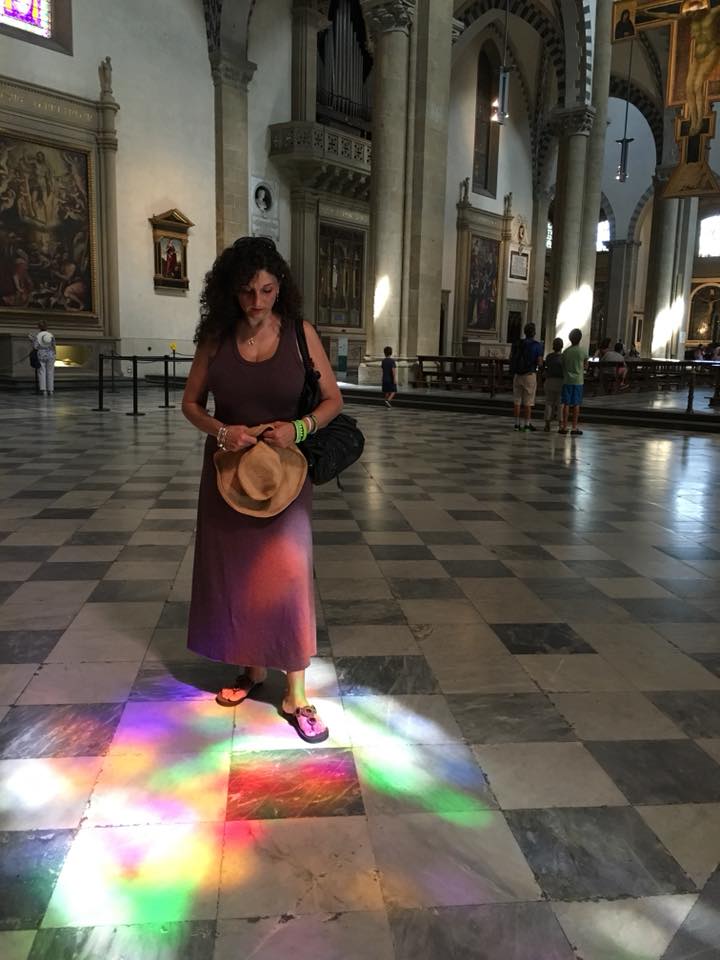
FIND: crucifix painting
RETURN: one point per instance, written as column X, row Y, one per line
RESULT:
column 693, row 82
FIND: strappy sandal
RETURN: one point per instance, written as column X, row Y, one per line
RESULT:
column 245, row 688
column 308, row 725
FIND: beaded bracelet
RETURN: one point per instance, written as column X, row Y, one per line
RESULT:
column 314, row 427
column 301, row 430
column 222, row 436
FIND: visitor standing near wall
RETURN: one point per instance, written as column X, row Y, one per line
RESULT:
column 574, row 361
column 524, row 358
column 44, row 343
column 252, row 594
column 389, row 377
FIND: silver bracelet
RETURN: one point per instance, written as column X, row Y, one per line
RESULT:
column 221, row 436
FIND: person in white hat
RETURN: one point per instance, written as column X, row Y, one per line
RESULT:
column 44, row 342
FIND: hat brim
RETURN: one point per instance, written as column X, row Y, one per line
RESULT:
column 293, row 477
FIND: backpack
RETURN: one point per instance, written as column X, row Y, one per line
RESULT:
column 521, row 359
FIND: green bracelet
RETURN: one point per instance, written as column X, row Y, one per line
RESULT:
column 301, row 431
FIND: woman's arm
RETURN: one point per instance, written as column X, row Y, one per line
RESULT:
column 195, row 397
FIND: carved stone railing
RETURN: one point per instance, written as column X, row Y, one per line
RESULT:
column 322, row 157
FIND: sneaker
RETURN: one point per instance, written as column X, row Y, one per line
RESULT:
column 529, row 428
column 387, row 403
column 563, row 430
column 517, row 427
column 576, row 433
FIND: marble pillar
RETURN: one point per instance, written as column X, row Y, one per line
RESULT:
column 570, row 303
column 304, row 247
column 536, row 291
column 687, row 223
column 427, row 148
column 231, row 76
column 107, row 151
column 658, row 317
column 389, row 23
column 621, row 288
column 596, row 142
column 309, row 17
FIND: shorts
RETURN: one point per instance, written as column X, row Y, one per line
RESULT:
column 524, row 387
column 388, row 386
column 572, row 394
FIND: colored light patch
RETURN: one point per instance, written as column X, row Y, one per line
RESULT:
column 47, row 793
column 34, row 16
column 138, row 875
column 164, row 728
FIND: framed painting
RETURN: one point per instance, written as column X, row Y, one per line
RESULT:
column 170, row 241
column 519, row 265
column 482, row 284
column 47, row 229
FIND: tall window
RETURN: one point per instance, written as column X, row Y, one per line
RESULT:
column 487, row 134
column 603, row 236
column 709, row 245
column 45, row 22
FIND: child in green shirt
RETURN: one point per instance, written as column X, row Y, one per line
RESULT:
column 574, row 361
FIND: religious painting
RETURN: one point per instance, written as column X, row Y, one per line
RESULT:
column 623, row 24
column 482, row 284
column 47, row 263
column 340, row 275
column 694, row 76
column 34, row 16
column 704, row 324
column 170, row 239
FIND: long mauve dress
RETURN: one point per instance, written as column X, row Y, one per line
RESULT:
column 252, row 592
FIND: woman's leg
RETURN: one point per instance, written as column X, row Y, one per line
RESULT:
column 42, row 370
column 295, row 696
column 50, row 375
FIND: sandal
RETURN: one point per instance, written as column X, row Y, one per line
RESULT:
column 243, row 685
column 307, row 723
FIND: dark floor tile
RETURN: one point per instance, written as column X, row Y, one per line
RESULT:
column 176, row 525
column 174, row 616
column 425, row 589
column 711, row 661
column 27, row 646
column 181, row 681
column 387, row 551
column 191, row 940
column 58, row 513
column 556, row 538
column 568, row 588
column 496, row 931
column 522, row 638
column 446, row 537
column 582, row 525
column 33, row 493
column 29, row 554
column 600, row 568
column 699, row 935
column 508, row 718
column 522, row 551
column 117, row 591
column 546, row 506
column 476, row 568
column 277, row 784
column 690, row 553
column 659, row 771
column 696, row 712
column 327, row 537
column 75, row 730
column 474, row 516
column 362, row 611
column 7, row 589
column 134, row 495
column 690, row 589
column 99, row 538
column 666, row 611
column 30, row 863
column 71, row 571
column 392, row 675
column 595, row 853
column 381, row 520
column 152, row 551
column 324, row 647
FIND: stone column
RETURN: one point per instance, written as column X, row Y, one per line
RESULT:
column 107, row 149
column 389, row 22
column 434, row 32
column 684, row 263
column 309, row 17
column 571, row 305
column 596, row 142
column 657, row 321
column 621, row 286
column 304, row 247
column 231, row 76
column 538, row 235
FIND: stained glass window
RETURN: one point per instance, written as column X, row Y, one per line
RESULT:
column 35, row 16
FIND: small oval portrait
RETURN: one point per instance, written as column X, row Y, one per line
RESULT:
column 263, row 198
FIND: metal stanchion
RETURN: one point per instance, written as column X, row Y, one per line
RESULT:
column 166, row 375
column 691, row 392
column 134, row 412
column 101, row 383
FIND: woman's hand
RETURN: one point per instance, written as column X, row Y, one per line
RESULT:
column 237, row 438
column 282, row 434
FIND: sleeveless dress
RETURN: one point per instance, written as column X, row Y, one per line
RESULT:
column 252, row 598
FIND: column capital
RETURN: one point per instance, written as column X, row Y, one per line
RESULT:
column 571, row 121
column 231, row 72
column 386, row 16
column 458, row 28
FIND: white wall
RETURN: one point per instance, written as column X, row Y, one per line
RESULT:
column 514, row 161
column 269, row 95
column 623, row 197
column 162, row 82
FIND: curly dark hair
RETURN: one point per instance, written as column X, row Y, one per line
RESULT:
column 234, row 268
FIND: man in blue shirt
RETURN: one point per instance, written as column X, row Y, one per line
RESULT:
column 524, row 358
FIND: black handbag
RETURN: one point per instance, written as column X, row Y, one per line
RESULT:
column 334, row 447
column 34, row 359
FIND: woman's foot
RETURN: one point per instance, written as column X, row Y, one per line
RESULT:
column 244, row 685
column 308, row 724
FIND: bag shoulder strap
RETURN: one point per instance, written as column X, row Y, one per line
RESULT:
column 303, row 348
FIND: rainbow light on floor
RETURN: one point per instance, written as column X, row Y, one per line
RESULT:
column 34, row 16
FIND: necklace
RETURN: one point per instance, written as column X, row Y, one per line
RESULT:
column 251, row 341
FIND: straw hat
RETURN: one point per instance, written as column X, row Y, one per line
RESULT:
column 261, row 480
column 45, row 338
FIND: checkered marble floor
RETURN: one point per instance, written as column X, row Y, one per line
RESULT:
column 519, row 660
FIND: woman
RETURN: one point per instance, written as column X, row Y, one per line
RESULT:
column 252, row 596
column 44, row 342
